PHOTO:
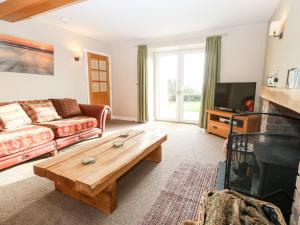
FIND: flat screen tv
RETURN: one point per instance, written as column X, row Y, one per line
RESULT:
column 237, row 97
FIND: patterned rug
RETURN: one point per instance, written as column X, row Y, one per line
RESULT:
column 180, row 198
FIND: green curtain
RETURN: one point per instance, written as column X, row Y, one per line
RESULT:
column 211, row 76
column 142, row 83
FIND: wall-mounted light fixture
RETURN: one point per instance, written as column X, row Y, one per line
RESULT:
column 275, row 29
column 77, row 54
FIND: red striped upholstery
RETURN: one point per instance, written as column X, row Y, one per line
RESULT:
column 12, row 116
column 40, row 111
column 24, row 138
column 71, row 126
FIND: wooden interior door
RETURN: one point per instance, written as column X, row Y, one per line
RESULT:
column 99, row 83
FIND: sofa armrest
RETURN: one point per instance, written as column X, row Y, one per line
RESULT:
column 99, row 112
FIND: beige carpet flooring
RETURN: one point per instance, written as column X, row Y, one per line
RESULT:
column 26, row 199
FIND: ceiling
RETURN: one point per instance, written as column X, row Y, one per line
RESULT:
column 144, row 19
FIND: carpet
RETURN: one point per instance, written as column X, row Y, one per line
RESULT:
column 26, row 199
column 180, row 198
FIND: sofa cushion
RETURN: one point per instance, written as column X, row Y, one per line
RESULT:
column 13, row 116
column 24, row 138
column 40, row 111
column 66, row 107
column 71, row 126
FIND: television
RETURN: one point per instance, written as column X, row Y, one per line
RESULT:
column 236, row 97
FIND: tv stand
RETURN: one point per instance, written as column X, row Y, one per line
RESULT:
column 218, row 123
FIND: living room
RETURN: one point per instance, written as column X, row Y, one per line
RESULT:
column 149, row 112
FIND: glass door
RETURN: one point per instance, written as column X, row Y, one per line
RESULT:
column 178, row 85
column 191, row 85
column 166, row 87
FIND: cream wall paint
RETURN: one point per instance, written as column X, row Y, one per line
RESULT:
column 124, row 80
column 69, row 78
column 283, row 54
column 242, row 59
column 243, row 52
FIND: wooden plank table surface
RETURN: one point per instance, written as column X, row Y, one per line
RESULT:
column 95, row 184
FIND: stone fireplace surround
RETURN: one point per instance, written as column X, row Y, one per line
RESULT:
column 287, row 102
column 274, row 124
column 284, row 97
column 283, row 101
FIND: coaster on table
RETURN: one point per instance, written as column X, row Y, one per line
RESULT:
column 124, row 135
column 88, row 160
column 118, row 144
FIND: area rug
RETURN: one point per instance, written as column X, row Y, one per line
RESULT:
column 180, row 198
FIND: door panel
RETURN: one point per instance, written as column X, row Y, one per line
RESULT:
column 193, row 68
column 99, row 83
column 166, row 97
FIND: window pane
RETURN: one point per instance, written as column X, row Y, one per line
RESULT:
column 167, row 76
column 103, row 87
column 102, row 76
column 95, row 87
column 102, row 64
column 94, row 64
column 95, row 75
column 193, row 78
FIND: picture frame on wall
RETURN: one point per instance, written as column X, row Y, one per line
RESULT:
column 20, row 55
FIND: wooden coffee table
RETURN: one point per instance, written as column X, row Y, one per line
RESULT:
column 96, row 184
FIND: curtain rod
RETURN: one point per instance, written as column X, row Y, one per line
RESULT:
column 187, row 39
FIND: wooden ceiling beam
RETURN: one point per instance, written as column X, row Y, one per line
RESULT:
column 10, row 6
column 16, row 10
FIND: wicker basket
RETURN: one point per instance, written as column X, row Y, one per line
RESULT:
column 234, row 213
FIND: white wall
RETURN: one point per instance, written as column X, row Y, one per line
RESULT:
column 69, row 78
column 243, row 53
column 124, row 80
column 242, row 59
column 283, row 54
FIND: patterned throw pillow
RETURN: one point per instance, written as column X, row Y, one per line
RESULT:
column 12, row 116
column 40, row 111
column 66, row 107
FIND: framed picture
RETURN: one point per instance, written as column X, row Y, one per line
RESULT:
column 24, row 56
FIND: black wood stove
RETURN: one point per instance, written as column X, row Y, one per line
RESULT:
column 264, row 164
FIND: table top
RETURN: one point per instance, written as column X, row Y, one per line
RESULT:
column 111, row 162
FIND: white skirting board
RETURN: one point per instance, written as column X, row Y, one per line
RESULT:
column 126, row 118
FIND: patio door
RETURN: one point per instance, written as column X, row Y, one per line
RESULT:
column 178, row 85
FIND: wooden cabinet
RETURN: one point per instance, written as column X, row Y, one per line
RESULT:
column 218, row 123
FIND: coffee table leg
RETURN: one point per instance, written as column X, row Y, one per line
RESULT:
column 155, row 155
column 106, row 201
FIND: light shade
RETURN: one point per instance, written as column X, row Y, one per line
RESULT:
column 275, row 29
column 77, row 54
